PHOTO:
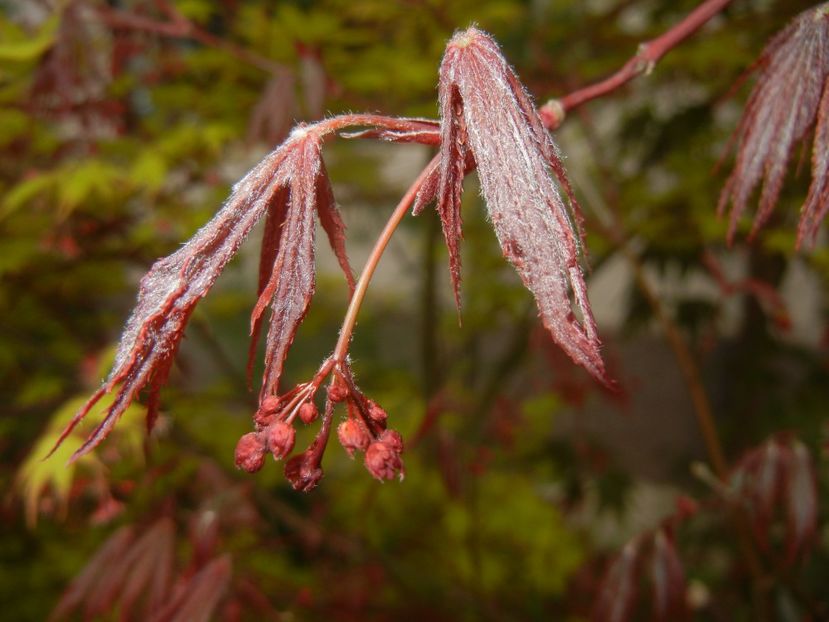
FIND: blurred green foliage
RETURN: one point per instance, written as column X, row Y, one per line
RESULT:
column 119, row 141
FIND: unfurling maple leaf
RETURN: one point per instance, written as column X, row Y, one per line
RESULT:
column 619, row 587
column 135, row 575
column 288, row 254
column 667, row 579
column 648, row 561
column 779, row 478
column 289, row 185
column 801, row 500
column 791, row 96
column 488, row 120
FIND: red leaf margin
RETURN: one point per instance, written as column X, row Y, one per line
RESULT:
column 780, row 475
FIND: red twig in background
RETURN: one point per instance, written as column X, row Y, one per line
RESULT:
column 767, row 295
column 182, row 28
column 646, row 57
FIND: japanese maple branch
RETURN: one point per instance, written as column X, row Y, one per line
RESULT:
column 643, row 62
column 765, row 294
column 552, row 114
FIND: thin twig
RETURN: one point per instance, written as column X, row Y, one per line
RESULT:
column 182, row 28
column 643, row 62
column 341, row 349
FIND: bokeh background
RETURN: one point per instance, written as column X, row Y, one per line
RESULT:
column 123, row 125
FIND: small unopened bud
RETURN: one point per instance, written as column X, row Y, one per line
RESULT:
column 392, row 438
column 266, row 412
column 337, row 391
column 270, row 405
column 250, row 452
column 280, row 437
column 353, row 436
column 308, row 412
column 383, row 461
column 376, row 412
column 552, row 114
column 303, row 474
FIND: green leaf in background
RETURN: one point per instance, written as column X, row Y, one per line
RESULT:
column 90, row 181
column 18, row 46
column 26, row 191
column 40, row 478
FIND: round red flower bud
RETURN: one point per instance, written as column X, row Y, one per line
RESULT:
column 376, row 412
column 353, row 436
column 280, row 437
column 392, row 438
column 308, row 412
column 250, row 452
column 262, row 420
column 383, row 462
column 270, row 405
column 266, row 412
column 337, row 391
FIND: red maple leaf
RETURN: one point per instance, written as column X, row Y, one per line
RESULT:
column 290, row 185
column 488, row 117
column 791, row 95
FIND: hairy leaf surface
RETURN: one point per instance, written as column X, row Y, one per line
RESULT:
column 486, row 112
column 780, row 111
column 288, row 185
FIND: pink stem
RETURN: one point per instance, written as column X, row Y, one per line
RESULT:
column 341, row 349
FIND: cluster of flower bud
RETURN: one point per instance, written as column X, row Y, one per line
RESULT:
column 274, row 434
column 278, row 438
column 364, row 430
